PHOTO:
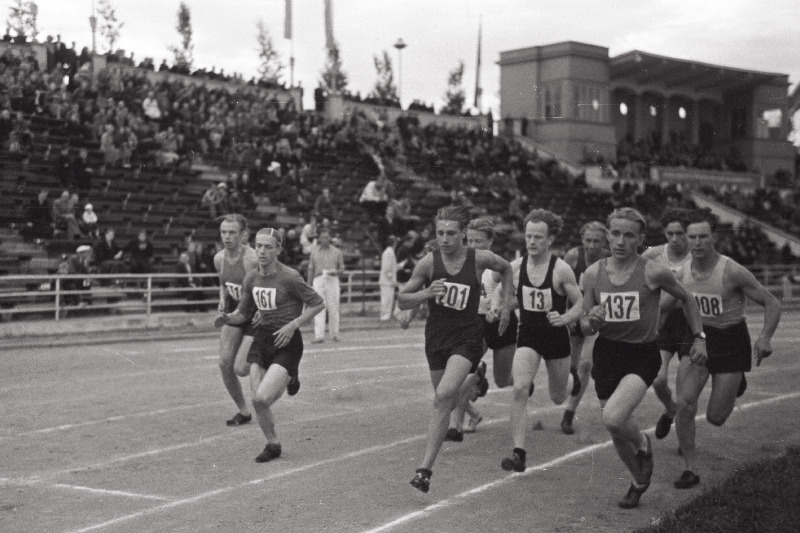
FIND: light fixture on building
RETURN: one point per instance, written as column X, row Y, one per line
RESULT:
column 623, row 108
column 653, row 111
column 682, row 112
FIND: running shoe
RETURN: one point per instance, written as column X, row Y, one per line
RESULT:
column 631, row 499
column 239, row 419
column 472, row 425
column 530, row 390
column 454, row 435
column 742, row 386
column 663, row 426
column 514, row 463
column 483, row 383
column 566, row 422
column 687, row 480
column 293, row 386
column 271, row 451
column 645, row 460
column 422, row 481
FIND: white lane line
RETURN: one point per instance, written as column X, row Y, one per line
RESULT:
column 448, row 502
column 107, row 492
column 315, row 351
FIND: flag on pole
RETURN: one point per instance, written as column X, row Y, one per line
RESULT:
column 329, row 40
column 287, row 21
column 478, row 90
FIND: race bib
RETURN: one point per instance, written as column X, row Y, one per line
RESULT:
column 537, row 300
column 455, row 297
column 234, row 290
column 620, row 306
column 265, row 298
column 710, row 304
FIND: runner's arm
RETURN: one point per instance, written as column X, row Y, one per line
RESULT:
column 218, row 267
column 566, row 279
column 593, row 313
column 660, row 276
column 754, row 290
column 411, row 296
column 492, row 261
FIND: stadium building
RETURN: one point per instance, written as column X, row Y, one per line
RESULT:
column 574, row 100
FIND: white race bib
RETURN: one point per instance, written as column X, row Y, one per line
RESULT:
column 455, row 297
column 537, row 300
column 234, row 290
column 620, row 306
column 710, row 304
column 265, row 298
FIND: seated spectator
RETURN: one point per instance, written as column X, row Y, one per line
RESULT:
column 64, row 216
column 323, row 206
column 374, row 199
column 39, row 218
column 81, row 171
column 110, row 151
column 140, row 254
column 150, row 105
column 88, row 222
column 107, row 255
column 212, row 199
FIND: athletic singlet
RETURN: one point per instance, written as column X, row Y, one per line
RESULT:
column 453, row 317
column 678, row 267
column 535, row 302
column 580, row 266
column 231, row 276
column 631, row 308
column 488, row 286
column 718, row 308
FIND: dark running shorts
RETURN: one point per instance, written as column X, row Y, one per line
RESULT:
column 264, row 353
column 550, row 343
column 613, row 360
column 675, row 335
column 729, row 349
column 437, row 359
column 495, row 341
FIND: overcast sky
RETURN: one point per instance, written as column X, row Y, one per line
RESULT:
column 739, row 33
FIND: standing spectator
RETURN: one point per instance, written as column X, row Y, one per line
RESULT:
column 140, row 254
column 88, row 222
column 110, row 151
column 107, row 255
column 308, row 236
column 374, row 198
column 211, row 200
column 184, row 281
column 323, row 206
column 325, row 265
column 388, row 278
column 78, row 263
column 64, row 216
column 81, row 171
column 39, row 217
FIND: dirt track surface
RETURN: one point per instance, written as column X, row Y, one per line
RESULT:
column 130, row 437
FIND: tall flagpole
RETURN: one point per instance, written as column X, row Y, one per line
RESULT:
column 477, row 102
column 288, row 34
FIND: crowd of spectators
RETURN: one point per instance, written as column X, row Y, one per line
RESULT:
column 776, row 207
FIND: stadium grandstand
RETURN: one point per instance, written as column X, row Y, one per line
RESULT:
column 163, row 154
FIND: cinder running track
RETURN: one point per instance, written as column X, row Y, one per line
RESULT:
column 131, row 437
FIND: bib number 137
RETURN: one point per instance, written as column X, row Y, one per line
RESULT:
column 620, row 306
column 455, row 297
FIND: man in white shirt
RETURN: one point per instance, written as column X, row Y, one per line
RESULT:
column 325, row 264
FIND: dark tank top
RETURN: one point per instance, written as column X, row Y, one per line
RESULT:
column 535, row 302
column 453, row 318
column 231, row 276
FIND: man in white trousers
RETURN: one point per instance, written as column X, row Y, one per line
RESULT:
column 388, row 278
column 325, row 265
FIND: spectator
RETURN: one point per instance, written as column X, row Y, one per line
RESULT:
column 140, row 254
column 374, row 198
column 88, row 222
column 107, row 255
column 325, row 265
column 110, row 151
column 81, row 171
column 150, row 105
column 184, row 281
column 39, row 223
column 212, row 199
column 78, row 263
column 64, row 216
column 323, row 206
column 388, row 279
column 308, row 236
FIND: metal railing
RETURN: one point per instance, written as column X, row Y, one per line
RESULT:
column 59, row 295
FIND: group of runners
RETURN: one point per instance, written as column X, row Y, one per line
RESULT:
column 680, row 298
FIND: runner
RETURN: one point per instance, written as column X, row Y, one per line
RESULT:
column 544, row 284
column 594, row 246
column 232, row 263
column 720, row 286
column 673, row 335
column 278, row 294
column 453, row 339
column 621, row 302
column 480, row 236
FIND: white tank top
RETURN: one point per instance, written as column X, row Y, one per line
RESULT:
column 488, row 286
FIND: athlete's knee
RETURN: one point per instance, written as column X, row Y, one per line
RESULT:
column 242, row 370
column 661, row 382
column 522, row 390
column 584, row 368
column 226, row 365
column 558, row 397
column 502, row 379
column 717, row 417
column 445, row 399
column 261, row 401
column 686, row 406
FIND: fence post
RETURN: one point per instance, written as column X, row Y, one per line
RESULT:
column 149, row 293
column 58, row 298
column 787, row 288
column 363, row 287
column 349, row 288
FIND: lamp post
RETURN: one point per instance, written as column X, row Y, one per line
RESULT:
column 93, row 24
column 400, row 45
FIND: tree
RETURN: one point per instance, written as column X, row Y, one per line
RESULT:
column 385, row 91
column 183, row 53
column 454, row 98
column 22, row 17
column 333, row 77
column 271, row 68
column 109, row 25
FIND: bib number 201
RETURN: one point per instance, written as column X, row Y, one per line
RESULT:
column 620, row 306
column 455, row 297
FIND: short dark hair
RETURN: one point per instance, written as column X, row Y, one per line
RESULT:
column 554, row 222
column 675, row 214
column 455, row 213
column 628, row 213
column 239, row 219
column 483, row 224
column 704, row 214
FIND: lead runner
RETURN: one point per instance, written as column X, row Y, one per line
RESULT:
column 451, row 276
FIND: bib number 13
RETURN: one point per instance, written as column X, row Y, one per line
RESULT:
column 455, row 297
column 620, row 306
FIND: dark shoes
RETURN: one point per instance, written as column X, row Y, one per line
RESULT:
column 293, row 386
column 483, row 383
column 515, row 463
column 663, row 426
column 271, row 451
column 454, row 435
column 687, row 480
column 631, row 499
column 238, row 420
column 422, row 481
column 566, row 422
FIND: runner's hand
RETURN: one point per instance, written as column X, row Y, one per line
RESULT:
column 284, row 335
column 596, row 316
column 220, row 320
column 256, row 318
column 761, row 349
column 437, row 289
column 556, row 319
column 505, row 318
column 697, row 353
column 492, row 315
